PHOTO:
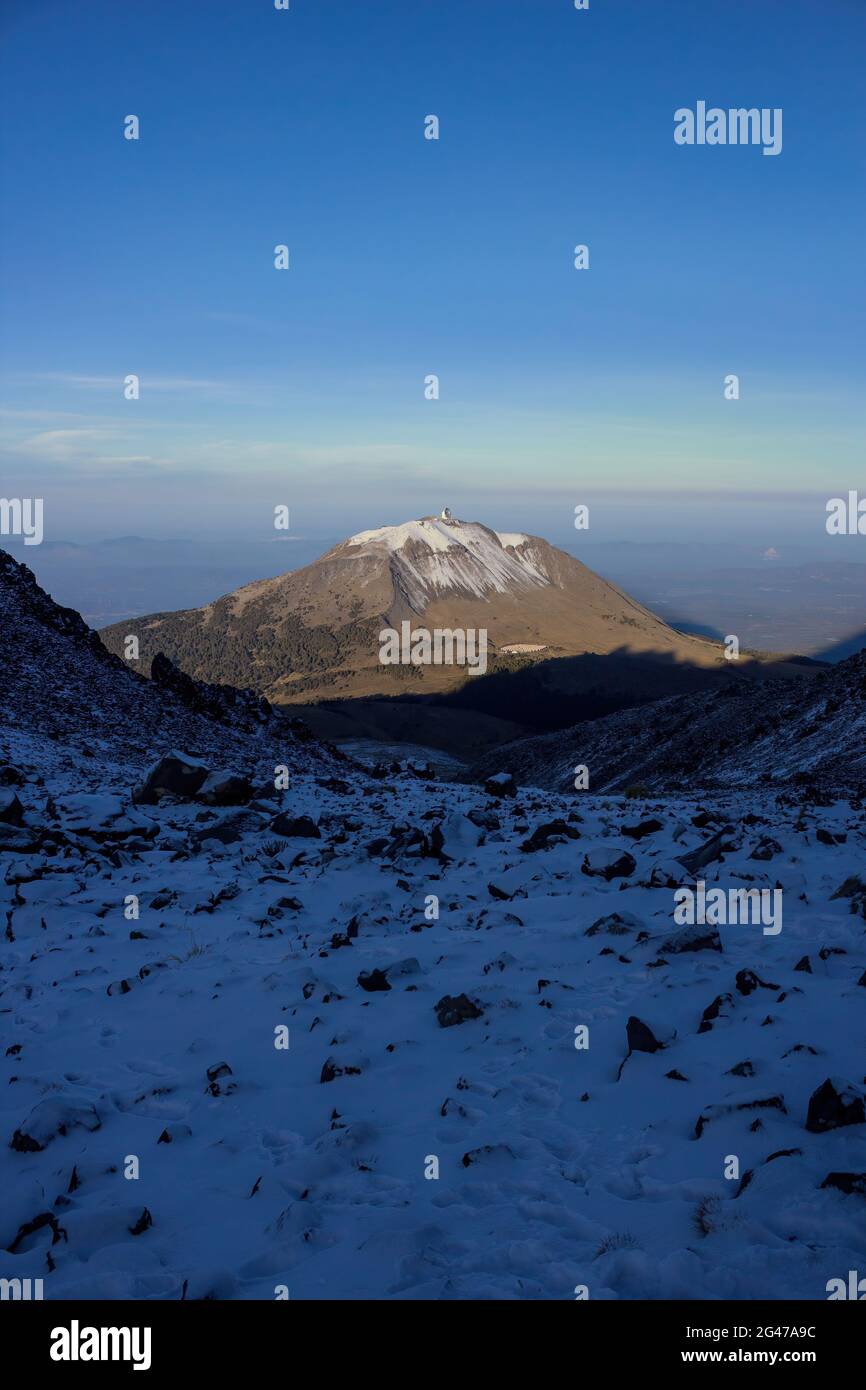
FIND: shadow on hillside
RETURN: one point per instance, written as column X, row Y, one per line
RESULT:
column 524, row 697
column 840, row 650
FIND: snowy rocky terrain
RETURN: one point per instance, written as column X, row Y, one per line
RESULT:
column 811, row 731
column 434, row 952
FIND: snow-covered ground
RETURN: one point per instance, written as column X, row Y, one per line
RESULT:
column 304, row 1166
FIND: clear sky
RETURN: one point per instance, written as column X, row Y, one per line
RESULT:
column 410, row 257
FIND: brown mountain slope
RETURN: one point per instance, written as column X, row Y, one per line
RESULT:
column 314, row 633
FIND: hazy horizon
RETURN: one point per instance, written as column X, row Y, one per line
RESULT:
column 411, row 257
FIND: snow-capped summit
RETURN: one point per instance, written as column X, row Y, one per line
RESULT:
column 314, row 633
column 437, row 554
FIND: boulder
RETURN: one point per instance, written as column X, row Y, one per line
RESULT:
column 11, row 810
column 644, row 827
column 295, row 827
column 452, row 1010
column 176, row 774
column 835, row 1104
column 608, row 864
column 640, row 1037
column 501, row 784
column 225, row 789
column 555, row 832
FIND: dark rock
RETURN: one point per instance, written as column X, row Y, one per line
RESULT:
column 225, row 789
column 331, row 1070
column 849, row 1183
column 215, row 1075
column 644, row 827
column 555, row 832
column 29, row 1228
column 698, row 937
column 640, row 1037
column 452, row 1010
column 713, row 1011
column 715, row 1112
column 144, row 1222
column 295, row 827
column 834, row 1105
column 614, row 924
column 11, row 810
column 425, row 771
column 608, row 864
column 502, row 784
column 851, row 888
column 743, row 1069
column 373, row 981
column 766, row 849
column 747, row 982
column 174, row 775
column 709, row 851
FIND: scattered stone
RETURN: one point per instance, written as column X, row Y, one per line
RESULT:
column 225, row 789
column 707, row 853
column 834, row 1105
column 555, row 832
column 501, row 784
column 698, row 937
column 608, row 864
column 11, row 810
column 644, row 827
column 640, row 1037
column 713, row 1011
column 295, row 827
column 144, row 1222
column 176, row 774
column 50, row 1118
column 614, row 924
column 849, row 1183
column 715, row 1112
column 747, row 982
column 373, row 981
column 452, row 1010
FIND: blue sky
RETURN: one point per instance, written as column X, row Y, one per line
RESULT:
column 411, row 257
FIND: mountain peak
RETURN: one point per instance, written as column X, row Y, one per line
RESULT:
column 434, row 555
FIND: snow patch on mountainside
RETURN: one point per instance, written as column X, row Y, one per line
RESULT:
column 435, row 556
